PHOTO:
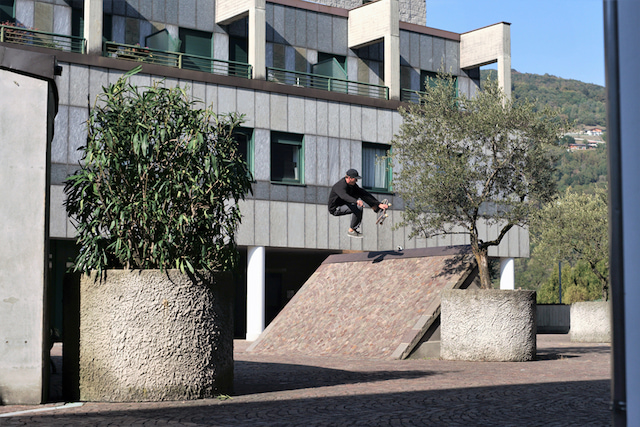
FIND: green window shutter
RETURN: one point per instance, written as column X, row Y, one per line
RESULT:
column 194, row 42
column 7, row 11
column 287, row 158
column 376, row 168
column 331, row 65
column 238, row 49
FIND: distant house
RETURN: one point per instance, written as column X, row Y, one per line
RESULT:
column 575, row 147
column 595, row 132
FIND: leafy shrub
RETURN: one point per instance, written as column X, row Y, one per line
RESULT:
column 159, row 184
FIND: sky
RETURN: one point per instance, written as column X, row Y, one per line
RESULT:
column 564, row 38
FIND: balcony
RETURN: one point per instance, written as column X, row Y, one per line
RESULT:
column 176, row 60
column 29, row 37
column 409, row 95
column 316, row 81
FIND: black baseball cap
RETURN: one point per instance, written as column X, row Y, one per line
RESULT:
column 352, row 173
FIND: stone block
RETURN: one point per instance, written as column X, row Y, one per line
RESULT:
column 123, row 359
column 488, row 325
column 590, row 321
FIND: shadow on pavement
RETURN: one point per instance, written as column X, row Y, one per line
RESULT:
column 578, row 403
column 262, row 377
column 556, row 353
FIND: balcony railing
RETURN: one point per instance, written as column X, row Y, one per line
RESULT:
column 408, row 95
column 316, row 81
column 177, row 60
column 28, row 37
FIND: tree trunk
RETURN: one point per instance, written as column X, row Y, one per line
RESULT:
column 482, row 258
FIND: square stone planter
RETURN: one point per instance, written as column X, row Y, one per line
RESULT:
column 590, row 321
column 488, row 325
column 147, row 335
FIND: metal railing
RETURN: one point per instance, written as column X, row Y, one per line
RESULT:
column 316, row 81
column 28, row 37
column 408, row 95
column 177, row 60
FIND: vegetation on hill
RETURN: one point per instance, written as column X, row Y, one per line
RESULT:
column 582, row 172
column 582, row 103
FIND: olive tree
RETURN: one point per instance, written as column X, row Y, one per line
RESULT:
column 574, row 228
column 466, row 161
column 159, row 183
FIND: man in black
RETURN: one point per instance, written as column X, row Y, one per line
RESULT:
column 347, row 198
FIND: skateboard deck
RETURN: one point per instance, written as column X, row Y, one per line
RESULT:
column 382, row 214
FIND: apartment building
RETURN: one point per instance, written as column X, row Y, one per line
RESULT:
column 319, row 84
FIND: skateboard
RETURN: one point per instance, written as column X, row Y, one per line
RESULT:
column 382, row 214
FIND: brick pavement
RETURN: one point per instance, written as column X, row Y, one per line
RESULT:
column 567, row 385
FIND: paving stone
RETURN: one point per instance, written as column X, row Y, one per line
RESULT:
column 568, row 385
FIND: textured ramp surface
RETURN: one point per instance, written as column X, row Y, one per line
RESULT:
column 366, row 304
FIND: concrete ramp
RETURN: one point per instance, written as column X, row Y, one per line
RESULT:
column 370, row 304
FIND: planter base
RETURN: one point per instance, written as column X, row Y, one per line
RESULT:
column 590, row 321
column 488, row 325
column 151, row 336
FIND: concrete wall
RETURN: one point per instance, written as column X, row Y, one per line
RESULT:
column 413, row 11
column 591, row 321
column 24, row 149
column 151, row 335
column 488, row 325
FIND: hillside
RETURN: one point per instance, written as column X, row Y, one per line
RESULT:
column 581, row 102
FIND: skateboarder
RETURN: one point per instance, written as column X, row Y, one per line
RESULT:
column 347, row 197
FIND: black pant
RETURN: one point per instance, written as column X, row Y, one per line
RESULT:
column 354, row 210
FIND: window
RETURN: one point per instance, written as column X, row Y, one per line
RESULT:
column 107, row 27
column 194, row 42
column 428, row 77
column 287, row 154
column 77, row 22
column 244, row 136
column 7, row 11
column 331, row 65
column 238, row 49
column 376, row 168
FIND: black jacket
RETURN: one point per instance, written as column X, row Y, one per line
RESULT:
column 343, row 193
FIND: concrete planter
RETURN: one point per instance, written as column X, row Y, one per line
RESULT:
column 488, row 325
column 150, row 336
column 590, row 321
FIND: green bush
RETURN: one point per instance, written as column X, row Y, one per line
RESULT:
column 159, row 183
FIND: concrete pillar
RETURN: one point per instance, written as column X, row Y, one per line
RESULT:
column 27, row 110
column 392, row 52
column 93, row 26
column 504, row 61
column 507, row 273
column 255, row 292
column 377, row 21
column 486, row 46
column 258, row 39
column 622, row 58
column 392, row 65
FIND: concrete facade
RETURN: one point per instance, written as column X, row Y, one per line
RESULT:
column 286, row 219
column 27, row 109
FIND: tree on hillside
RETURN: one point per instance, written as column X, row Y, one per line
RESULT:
column 575, row 228
column 464, row 162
